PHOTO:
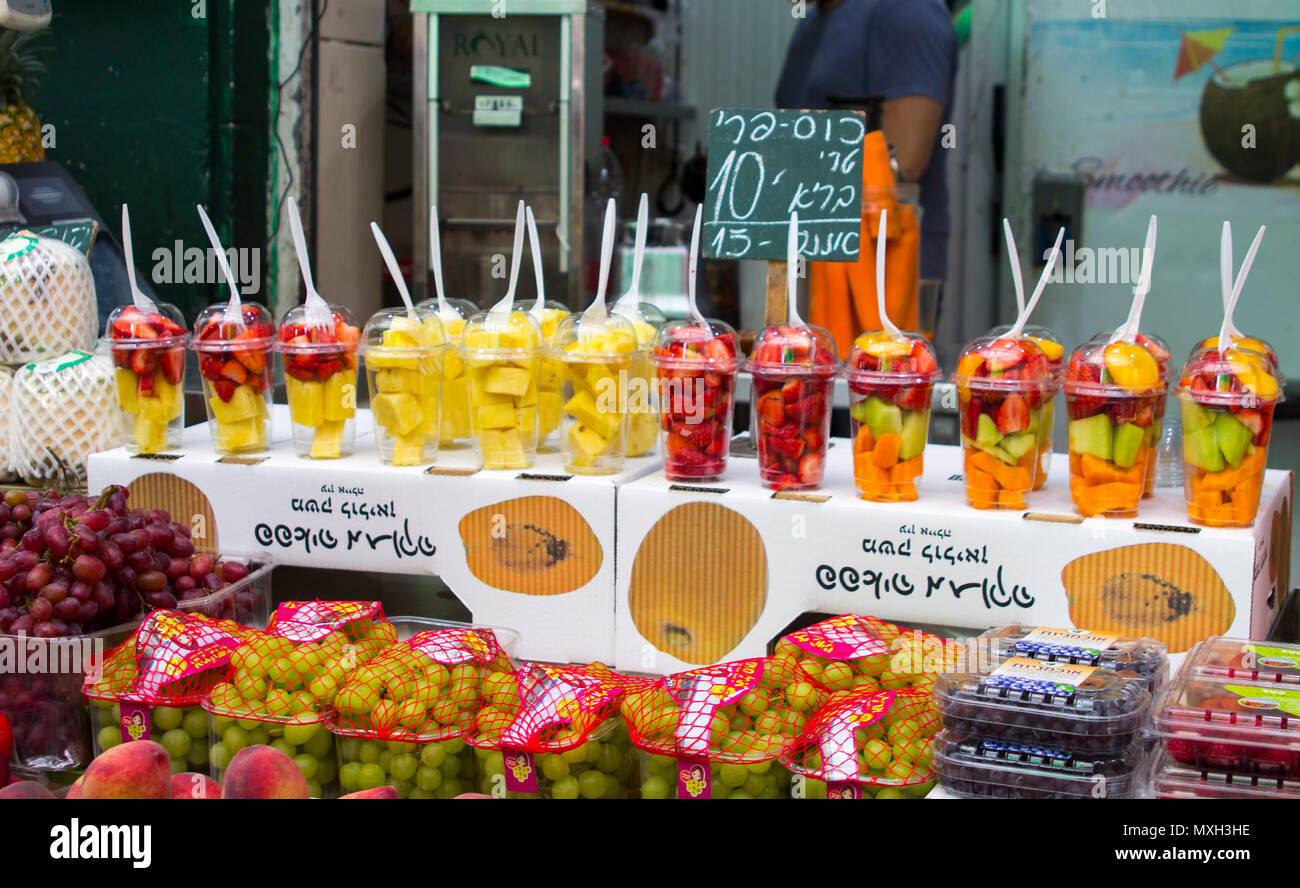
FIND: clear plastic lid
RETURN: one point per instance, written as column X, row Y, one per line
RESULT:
column 392, row 329
column 1106, row 369
column 685, row 345
column 453, row 320
column 490, row 333
column 1169, row 779
column 1076, row 707
column 1238, row 377
column 165, row 328
column 1203, row 707
column 1003, row 364
column 1239, row 658
column 1159, row 350
column 1253, row 343
column 298, row 336
column 989, row 768
column 252, row 329
column 645, row 317
column 884, row 358
column 552, row 313
column 1048, row 342
column 582, row 338
column 1141, row 659
column 782, row 348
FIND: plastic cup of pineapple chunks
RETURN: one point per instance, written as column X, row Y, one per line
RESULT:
column 149, row 368
column 320, row 377
column 550, row 385
column 643, row 419
column 235, row 366
column 182, row 730
column 454, row 424
column 404, row 358
column 597, row 354
column 502, row 354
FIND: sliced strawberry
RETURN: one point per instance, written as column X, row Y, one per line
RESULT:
column 1251, row 420
column 914, row 397
column 807, row 410
column 172, row 362
column 225, row 389
column 699, row 435
column 810, row 468
column 328, row 369
column 790, row 448
column 785, row 481
column 771, row 408
column 812, row 438
column 142, row 330
column 785, row 430
column 792, row 390
column 718, row 446
column 144, row 384
column 210, row 367
column 970, row 417
column 143, row 361
column 925, row 362
column 1003, row 354
column 1013, row 415
column 257, row 382
column 234, row 371
column 254, row 360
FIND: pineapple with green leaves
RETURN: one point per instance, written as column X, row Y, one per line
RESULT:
column 20, row 128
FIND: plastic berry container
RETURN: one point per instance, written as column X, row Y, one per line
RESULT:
column 236, row 363
column 1076, row 708
column 149, row 366
column 1238, row 658
column 1169, row 779
column 1140, row 659
column 974, row 767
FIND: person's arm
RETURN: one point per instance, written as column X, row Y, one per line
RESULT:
column 911, row 124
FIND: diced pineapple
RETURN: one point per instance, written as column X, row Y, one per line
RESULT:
column 306, row 401
column 393, row 380
column 582, row 407
column 399, row 413
column 503, row 380
column 327, row 443
column 340, row 396
column 551, row 374
column 502, row 450
column 526, row 421
column 391, row 359
column 549, row 405
column 243, row 404
column 408, row 450
column 429, row 412
column 241, row 434
column 452, row 367
column 170, row 396
column 496, row 416
column 150, row 436
column 586, row 444
column 127, row 388
column 152, row 409
column 529, row 397
column 454, row 422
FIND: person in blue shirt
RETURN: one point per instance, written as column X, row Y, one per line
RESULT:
column 904, row 51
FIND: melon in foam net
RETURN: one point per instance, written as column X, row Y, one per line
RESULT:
column 47, row 298
column 61, row 411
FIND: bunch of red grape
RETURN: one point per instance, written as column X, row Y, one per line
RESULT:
column 71, row 565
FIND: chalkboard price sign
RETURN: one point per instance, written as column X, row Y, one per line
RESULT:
column 765, row 165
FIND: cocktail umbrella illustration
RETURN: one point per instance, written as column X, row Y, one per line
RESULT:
column 1198, row 47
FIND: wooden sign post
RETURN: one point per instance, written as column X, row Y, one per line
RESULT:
column 765, row 165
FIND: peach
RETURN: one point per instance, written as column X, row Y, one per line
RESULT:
column 379, row 792
column 261, row 772
column 140, row 769
column 188, row 785
column 473, row 795
column 25, row 789
column 74, row 791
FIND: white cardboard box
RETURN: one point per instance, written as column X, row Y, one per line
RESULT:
column 692, row 587
column 360, row 515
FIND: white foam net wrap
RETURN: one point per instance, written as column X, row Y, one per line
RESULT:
column 62, row 411
column 6, row 387
column 47, row 299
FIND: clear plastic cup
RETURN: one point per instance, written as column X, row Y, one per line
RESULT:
column 149, row 366
column 696, row 389
column 550, row 385
column 454, row 424
column 1251, row 343
column 597, row 354
column 1160, row 351
column 1227, row 401
column 1002, row 385
column 1112, row 393
column 404, row 358
column 502, row 354
column 643, row 423
column 235, row 364
column 320, row 377
column 890, row 381
column 1051, row 346
column 793, row 369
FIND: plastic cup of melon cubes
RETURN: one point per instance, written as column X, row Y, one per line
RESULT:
column 182, row 730
column 1227, row 401
column 696, row 369
column 1112, row 393
column 404, row 357
column 890, row 381
column 235, row 366
column 597, row 354
column 320, row 377
column 793, row 369
column 502, row 354
column 1051, row 346
column 149, row 367
column 643, row 417
column 1002, row 387
column 550, row 385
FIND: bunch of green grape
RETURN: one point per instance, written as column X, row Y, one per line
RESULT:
column 602, row 767
column 756, row 780
column 436, row 769
column 914, row 660
column 308, row 743
column 182, row 731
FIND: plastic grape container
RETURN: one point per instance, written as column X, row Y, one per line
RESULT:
column 890, row 381
column 974, row 767
column 454, row 424
column 1002, row 387
column 550, row 386
column 1050, row 345
column 235, row 364
column 1169, row 779
column 502, row 355
column 433, row 769
column 1113, row 392
column 1076, row 708
column 597, row 355
column 149, row 366
column 754, row 780
column 182, row 731
column 793, row 369
column 320, row 377
column 856, row 653
column 305, row 739
column 404, row 357
column 604, row 767
column 643, row 418
column 1239, row 658
column 696, row 372
column 1139, row 659
column 1227, row 401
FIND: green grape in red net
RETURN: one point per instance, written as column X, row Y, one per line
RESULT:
column 756, row 780
column 430, row 769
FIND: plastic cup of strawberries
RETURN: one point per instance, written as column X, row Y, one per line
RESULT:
column 695, row 370
column 1051, row 346
column 235, row 365
column 1113, row 391
column 793, row 369
column 891, row 377
column 1227, row 400
column 320, row 375
column 1002, row 387
column 148, row 352
column 404, row 353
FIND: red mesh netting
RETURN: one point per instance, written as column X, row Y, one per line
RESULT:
column 742, row 712
column 428, row 688
column 852, row 652
column 867, row 742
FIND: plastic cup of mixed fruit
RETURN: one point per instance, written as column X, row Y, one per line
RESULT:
column 793, row 368
column 1227, row 400
column 1002, row 385
column 1112, row 393
column 404, row 357
column 550, row 384
column 149, row 360
column 1160, row 351
column 320, row 376
column 890, row 380
column 695, row 370
column 1050, row 345
column 454, row 422
column 597, row 352
column 643, row 419
column 235, row 364
column 502, row 352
